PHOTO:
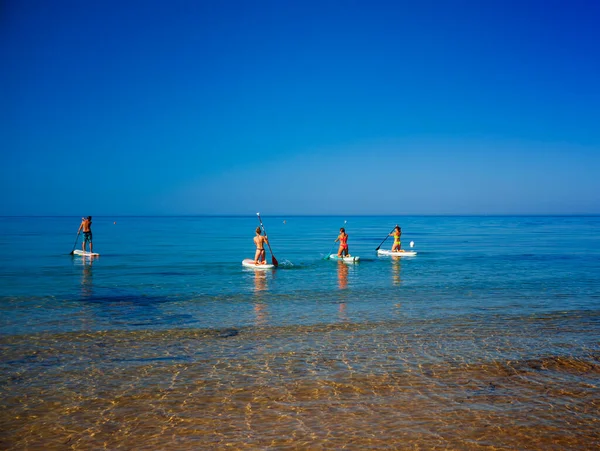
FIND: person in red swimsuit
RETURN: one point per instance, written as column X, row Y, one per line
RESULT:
column 343, row 239
column 260, row 240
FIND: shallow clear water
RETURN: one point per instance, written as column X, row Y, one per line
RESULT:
column 489, row 337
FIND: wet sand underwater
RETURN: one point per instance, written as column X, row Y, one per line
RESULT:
column 391, row 385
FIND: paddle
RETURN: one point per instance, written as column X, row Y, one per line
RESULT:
column 329, row 253
column 273, row 259
column 75, row 244
column 332, row 247
column 386, row 237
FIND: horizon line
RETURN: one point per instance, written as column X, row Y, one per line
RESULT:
column 314, row 215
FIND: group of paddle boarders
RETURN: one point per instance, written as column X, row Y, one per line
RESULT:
column 343, row 251
column 343, row 239
column 259, row 240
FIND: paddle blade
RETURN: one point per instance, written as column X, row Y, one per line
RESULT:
column 274, row 260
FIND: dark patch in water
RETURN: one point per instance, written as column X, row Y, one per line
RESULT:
column 126, row 299
column 155, row 359
column 226, row 333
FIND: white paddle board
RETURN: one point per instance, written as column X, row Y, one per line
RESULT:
column 396, row 253
column 249, row 263
column 345, row 259
column 85, row 254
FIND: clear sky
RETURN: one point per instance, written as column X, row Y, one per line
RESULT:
column 299, row 107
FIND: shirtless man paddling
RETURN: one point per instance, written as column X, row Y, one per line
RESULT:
column 86, row 227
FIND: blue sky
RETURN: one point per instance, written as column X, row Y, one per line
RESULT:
column 227, row 107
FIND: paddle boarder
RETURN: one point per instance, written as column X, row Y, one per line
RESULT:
column 260, row 255
column 343, row 239
column 86, row 228
column 397, row 233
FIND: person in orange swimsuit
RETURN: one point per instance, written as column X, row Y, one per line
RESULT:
column 343, row 239
column 260, row 255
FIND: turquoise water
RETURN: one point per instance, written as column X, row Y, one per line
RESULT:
column 493, row 315
column 186, row 272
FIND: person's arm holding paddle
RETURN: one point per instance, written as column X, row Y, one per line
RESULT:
column 265, row 239
column 77, row 237
column 83, row 227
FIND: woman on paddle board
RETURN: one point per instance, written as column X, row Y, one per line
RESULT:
column 343, row 239
column 397, row 233
column 86, row 227
column 260, row 255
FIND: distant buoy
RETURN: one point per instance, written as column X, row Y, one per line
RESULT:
column 412, row 243
column 115, row 222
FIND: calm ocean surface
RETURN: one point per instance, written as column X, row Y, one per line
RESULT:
column 489, row 338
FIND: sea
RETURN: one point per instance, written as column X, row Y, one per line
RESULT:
column 487, row 339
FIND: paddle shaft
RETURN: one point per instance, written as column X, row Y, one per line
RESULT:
column 75, row 244
column 330, row 251
column 273, row 259
column 388, row 235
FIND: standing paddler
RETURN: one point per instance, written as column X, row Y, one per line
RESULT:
column 86, row 227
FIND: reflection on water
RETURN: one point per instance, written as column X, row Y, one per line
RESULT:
column 342, row 275
column 260, row 280
column 261, row 314
column 86, row 277
column 260, row 290
column 343, row 315
column 396, row 270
